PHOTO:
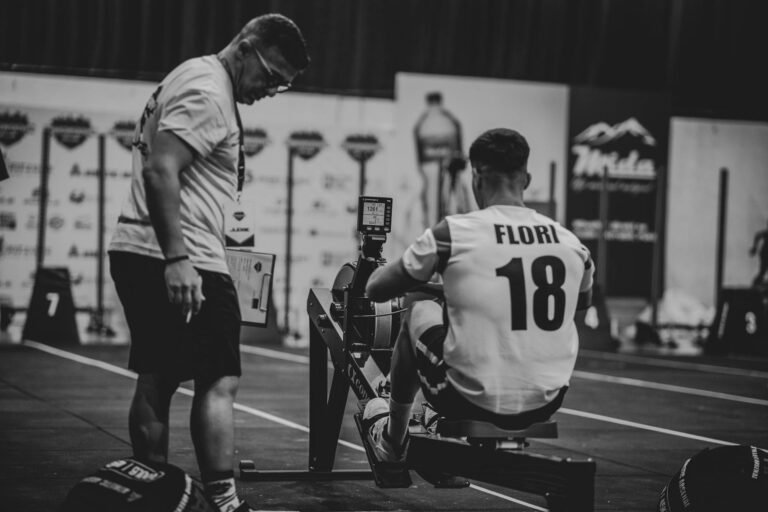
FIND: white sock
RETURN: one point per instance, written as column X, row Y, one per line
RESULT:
column 223, row 493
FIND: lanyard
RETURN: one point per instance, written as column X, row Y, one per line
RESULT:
column 240, row 152
column 241, row 138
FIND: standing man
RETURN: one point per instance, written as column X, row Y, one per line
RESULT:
column 503, row 345
column 167, row 254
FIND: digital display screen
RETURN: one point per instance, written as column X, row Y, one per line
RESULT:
column 373, row 213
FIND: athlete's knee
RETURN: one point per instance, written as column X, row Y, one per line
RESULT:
column 223, row 387
column 422, row 316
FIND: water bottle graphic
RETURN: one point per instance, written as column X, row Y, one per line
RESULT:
column 438, row 150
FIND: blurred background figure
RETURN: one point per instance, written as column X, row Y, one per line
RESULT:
column 761, row 239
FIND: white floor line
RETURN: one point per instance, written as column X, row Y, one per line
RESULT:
column 680, row 365
column 243, row 408
column 668, row 387
column 296, row 358
column 625, row 423
column 274, row 354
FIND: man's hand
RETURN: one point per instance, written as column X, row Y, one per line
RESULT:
column 185, row 287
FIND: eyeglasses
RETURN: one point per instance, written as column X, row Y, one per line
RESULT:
column 274, row 80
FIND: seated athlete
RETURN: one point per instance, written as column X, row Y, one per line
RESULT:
column 502, row 346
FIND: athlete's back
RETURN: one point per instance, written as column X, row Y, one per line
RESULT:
column 512, row 281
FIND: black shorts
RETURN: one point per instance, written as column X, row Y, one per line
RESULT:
column 161, row 341
column 451, row 404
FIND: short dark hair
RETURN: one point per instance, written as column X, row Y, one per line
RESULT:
column 501, row 151
column 276, row 30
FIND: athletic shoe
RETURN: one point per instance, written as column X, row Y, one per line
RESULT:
column 376, row 415
column 429, row 418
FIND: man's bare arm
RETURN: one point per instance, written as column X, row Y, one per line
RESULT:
column 169, row 156
column 389, row 281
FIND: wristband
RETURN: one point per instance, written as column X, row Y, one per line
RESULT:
column 175, row 259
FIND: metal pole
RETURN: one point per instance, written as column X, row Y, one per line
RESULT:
column 42, row 211
column 100, row 239
column 552, row 203
column 602, row 242
column 362, row 177
column 722, row 210
column 657, row 269
column 288, row 241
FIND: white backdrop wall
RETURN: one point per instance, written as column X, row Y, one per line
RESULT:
column 326, row 186
column 699, row 148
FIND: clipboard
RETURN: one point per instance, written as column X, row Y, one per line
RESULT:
column 252, row 275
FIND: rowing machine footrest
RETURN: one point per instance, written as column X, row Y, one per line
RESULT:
column 387, row 475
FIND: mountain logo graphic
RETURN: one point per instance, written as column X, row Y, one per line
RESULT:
column 602, row 134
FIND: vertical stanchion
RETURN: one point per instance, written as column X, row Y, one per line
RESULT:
column 602, row 242
column 657, row 269
column 305, row 145
column 722, row 208
column 362, row 178
column 440, row 179
column 288, row 241
column 43, row 196
column 552, row 203
column 100, row 239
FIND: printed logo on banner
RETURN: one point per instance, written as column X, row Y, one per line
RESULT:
column 71, row 131
column 8, row 221
column 56, row 222
column 361, row 147
column 34, row 198
column 336, row 181
column 78, row 196
column 13, row 127
column 76, row 252
column 618, row 148
column 268, row 179
column 84, row 222
column 76, row 172
column 306, row 144
column 123, row 132
column 22, row 250
column 254, row 140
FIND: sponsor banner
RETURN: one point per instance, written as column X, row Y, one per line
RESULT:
column 72, row 214
column 625, row 135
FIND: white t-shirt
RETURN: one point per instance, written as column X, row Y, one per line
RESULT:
column 195, row 103
column 511, row 279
